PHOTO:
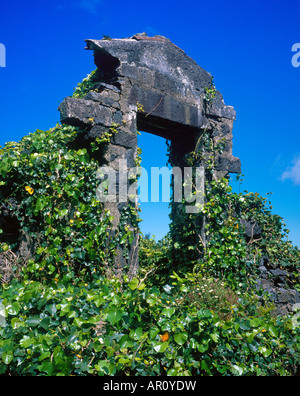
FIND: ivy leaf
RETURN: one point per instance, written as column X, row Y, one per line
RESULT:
column 215, row 337
column 167, row 288
column 265, row 351
column 245, row 325
column 114, row 315
column 46, row 367
column 51, row 308
column 7, row 356
column 125, row 342
column 136, row 334
column 237, row 370
column 273, row 331
column 33, row 321
column 181, row 338
column 26, row 341
column 203, row 347
column 63, row 212
column 255, row 322
column 45, row 323
column 13, row 309
column 168, row 311
column 153, row 332
column 133, row 284
column 161, row 347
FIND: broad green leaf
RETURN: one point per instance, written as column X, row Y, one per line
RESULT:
column 136, row 334
column 153, row 332
column 7, row 356
column 46, row 367
column 77, row 321
column 125, row 342
column 204, row 365
column 172, row 372
column 51, row 308
column 215, row 337
column 98, row 301
column 142, row 286
column 265, row 351
column 180, row 338
column 237, row 370
column 13, row 309
column 114, row 315
column 16, row 323
column 245, row 325
column 268, row 352
column 167, row 288
column 43, row 356
column 26, row 341
column 33, row 321
column 124, row 359
column 161, row 347
column 184, row 289
column 63, row 212
column 151, row 299
column 133, row 284
column 168, row 311
column 45, row 323
column 102, row 367
column 255, row 322
column 250, row 338
column 273, row 331
column 203, row 347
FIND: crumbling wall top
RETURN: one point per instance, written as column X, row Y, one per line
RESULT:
column 158, row 63
column 153, row 74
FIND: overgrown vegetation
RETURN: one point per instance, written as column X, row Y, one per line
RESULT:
column 185, row 314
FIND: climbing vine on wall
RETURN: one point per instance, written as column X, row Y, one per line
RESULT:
column 50, row 188
column 87, row 84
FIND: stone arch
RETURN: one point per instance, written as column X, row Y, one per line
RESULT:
column 148, row 83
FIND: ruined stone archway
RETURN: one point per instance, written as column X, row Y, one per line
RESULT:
column 148, row 83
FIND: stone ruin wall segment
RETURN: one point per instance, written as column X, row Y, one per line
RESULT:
column 153, row 74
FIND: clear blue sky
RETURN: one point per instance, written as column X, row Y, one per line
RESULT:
column 245, row 45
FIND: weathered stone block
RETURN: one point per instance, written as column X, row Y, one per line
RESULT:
column 252, row 229
column 228, row 163
column 167, row 107
column 278, row 272
column 125, row 139
column 219, row 109
column 103, row 99
column 80, row 112
column 118, row 117
column 95, row 131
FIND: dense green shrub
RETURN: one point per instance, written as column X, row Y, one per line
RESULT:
column 113, row 328
column 53, row 186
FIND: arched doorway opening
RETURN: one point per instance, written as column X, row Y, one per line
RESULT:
column 154, row 186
